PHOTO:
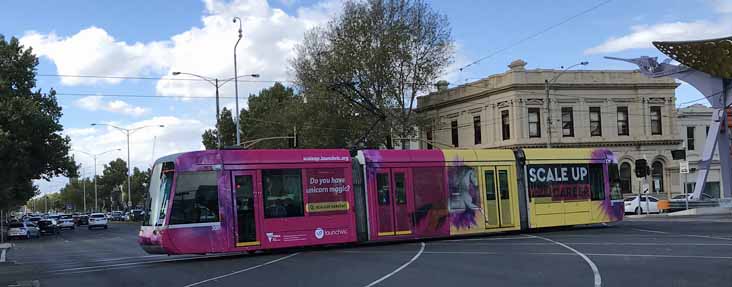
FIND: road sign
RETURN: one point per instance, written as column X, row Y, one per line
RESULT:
column 644, row 188
column 684, row 167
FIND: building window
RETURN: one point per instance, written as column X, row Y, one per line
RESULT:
column 657, row 177
column 595, row 122
column 567, row 122
column 282, row 193
column 623, row 128
column 625, row 177
column 429, row 138
column 454, row 130
column 707, row 134
column 476, row 129
column 689, row 138
column 505, row 125
column 534, row 123
column 656, row 121
column 196, row 198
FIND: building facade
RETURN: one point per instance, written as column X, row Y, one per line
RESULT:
column 632, row 115
column 694, row 127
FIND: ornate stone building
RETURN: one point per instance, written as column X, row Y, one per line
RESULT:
column 633, row 115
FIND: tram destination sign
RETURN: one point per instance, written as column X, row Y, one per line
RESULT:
column 559, row 181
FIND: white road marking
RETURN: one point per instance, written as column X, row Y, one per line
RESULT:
column 680, row 234
column 421, row 249
column 112, row 266
column 588, row 254
column 595, row 243
column 595, row 271
column 651, row 231
column 488, row 239
column 2, row 255
column 243, row 270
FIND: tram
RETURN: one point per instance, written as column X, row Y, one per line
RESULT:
column 246, row 200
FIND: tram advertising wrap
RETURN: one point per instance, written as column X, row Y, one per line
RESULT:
column 559, row 181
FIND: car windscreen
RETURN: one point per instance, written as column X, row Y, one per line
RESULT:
column 44, row 223
column 16, row 225
column 630, row 199
column 97, row 216
column 678, row 197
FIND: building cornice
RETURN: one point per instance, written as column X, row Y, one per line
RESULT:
column 540, row 87
column 629, row 143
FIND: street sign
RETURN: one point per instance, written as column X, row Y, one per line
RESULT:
column 684, row 167
column 644, row 188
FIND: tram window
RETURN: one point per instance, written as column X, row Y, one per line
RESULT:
column 490, row 185
column 401, row 194
column 615, row 190
column 282, row 193
column 503, row 184
column 597, row 182
column 382, row 185
column 196, row 198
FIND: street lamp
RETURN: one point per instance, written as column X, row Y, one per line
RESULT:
column 236, row 85
column 94, row 156
column 129, row 172
column 218, row 84
column 547, row 86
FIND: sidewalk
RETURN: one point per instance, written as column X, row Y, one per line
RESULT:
column 689, row 212
column 3, row 249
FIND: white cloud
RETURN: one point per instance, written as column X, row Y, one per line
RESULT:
column 95, row 103
column 722, row 6
column 94, row 52
column 269, row 36
column 641, row 36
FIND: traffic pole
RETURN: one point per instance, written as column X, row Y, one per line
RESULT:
column 686, row 192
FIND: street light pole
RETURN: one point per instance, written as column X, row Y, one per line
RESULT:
column 94, row 156
column 236, row 85
column 547, row 85
column 215, row 82
column 129, row 171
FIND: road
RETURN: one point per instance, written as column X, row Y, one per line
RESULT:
column 688, row 251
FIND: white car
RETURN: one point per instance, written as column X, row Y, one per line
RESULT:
column 66, row 221
column 97, row 220
column 25, row 230
column 631, row 204
column 682, row 198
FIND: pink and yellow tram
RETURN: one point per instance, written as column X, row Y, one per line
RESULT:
column 246, row 200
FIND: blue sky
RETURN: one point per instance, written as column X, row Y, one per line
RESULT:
column 153, row 38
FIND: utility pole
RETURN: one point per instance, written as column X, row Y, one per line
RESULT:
column 548, row 116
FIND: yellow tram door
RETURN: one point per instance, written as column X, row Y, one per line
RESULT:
column 498, row 196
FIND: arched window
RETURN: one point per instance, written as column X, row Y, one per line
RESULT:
column 657, row 177
column 625, row 178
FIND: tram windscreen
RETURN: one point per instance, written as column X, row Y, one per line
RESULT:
column 156, row 201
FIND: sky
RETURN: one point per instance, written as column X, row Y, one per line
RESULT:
column 149, row 40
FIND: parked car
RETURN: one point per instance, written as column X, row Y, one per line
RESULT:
column 97, row 220
column 136, row 214
column 682, row 197
column 117, row 216
column 83, row 220
column 35, row 219
column 48, row 226
column 25, row 230
column 66, row 222
column 651, row 205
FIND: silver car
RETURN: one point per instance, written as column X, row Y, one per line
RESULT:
column 25, row 230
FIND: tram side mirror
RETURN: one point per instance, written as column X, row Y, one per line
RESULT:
column 641, row 168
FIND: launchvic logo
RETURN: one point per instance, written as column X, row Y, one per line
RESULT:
column 319, row 233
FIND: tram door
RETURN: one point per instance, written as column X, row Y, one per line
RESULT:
column 498, row 193
column 393, row 196
column 246, row 201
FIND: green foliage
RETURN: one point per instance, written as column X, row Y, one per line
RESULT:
column 369, row 64
column 228, row 127
column 31, row 146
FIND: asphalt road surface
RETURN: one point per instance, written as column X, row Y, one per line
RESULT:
column 689, row 251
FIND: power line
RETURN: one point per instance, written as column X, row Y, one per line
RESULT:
column 151, row 78
column 536, row 34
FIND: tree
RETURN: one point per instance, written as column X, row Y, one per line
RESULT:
column 274, row 112
column 111, row 184
column 371, row 62
column 228, row 128
column 140, row 180
column 31, row 146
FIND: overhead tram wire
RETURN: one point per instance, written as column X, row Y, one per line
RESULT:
column 151, row 78
column 532, row 36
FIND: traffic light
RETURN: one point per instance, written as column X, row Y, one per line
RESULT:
column 641, row 168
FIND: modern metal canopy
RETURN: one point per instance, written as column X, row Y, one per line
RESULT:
column 713, row 56
column 707, row 66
